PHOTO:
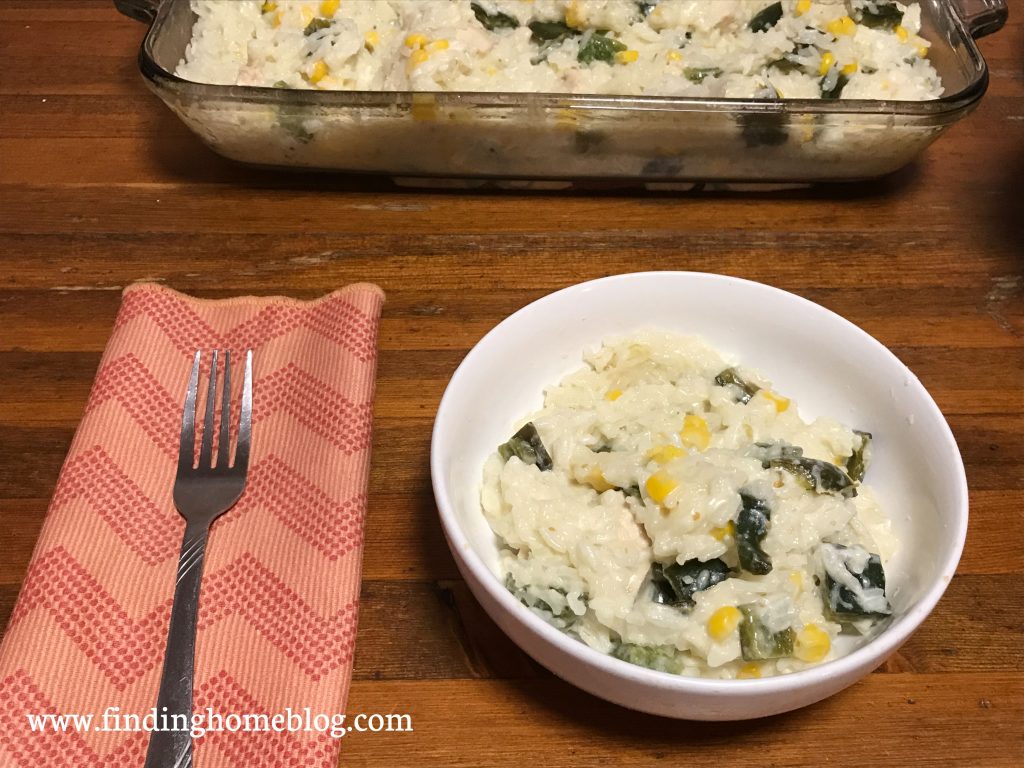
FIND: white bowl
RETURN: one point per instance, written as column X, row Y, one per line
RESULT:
column 825, row 363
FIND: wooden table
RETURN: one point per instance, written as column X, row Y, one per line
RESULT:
column 101, row 186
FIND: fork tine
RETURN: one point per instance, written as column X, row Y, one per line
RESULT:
column 187, row 444
column 206, row 451
column 245, row 423
column 224, row 441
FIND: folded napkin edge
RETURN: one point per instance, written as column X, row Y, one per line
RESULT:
column 258, row 301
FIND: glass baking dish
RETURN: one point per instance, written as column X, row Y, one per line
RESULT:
column 558, row 137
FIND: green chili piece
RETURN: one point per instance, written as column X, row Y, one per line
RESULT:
column 526, row 445
column 599, row 48
column 676, row 584
column 316, row 25
column 757, row 642
column 767, row 18
column 493, row 21
column 751, row 530
column 730, row 376
column 886, row 16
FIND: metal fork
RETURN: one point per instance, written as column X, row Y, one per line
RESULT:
column 202, row 492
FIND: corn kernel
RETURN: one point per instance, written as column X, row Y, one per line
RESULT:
column 597, row 480
column 372, row 39
column 902, row 33
column 723, row 622
column 627, row 57
column 796, row 579
column 268, row 7
column 719, row 534
column 329, row 7
column 748, row 672
column 572, row 15
column 660, row 485
column 827, row 60
column 613, row 394
column 415, row 41
column 849, row 69
column 802, row 7
column 319, row 72
column 417, row 57
column 695, row 432
column 922, row 51
column 276, row 21
column 307, row 15
column 781, row 403
column 844, row 25
column 812, row 643
column 663, row 454
column 674, row 56
column 438, row 45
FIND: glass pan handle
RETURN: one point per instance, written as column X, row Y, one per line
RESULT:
column 140, row 10
column 982, row 17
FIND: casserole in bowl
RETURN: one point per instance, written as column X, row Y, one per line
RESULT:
column 825, row 363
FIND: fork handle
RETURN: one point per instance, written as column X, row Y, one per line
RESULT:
column 173, row 748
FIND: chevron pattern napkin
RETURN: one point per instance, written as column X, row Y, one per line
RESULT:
column 277, row 618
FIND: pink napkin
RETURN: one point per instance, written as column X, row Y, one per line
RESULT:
column 279, row 601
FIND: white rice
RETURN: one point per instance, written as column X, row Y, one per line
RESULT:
column 579, row 551
column 701, row 48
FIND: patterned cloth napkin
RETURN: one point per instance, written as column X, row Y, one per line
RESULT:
column 277, row 617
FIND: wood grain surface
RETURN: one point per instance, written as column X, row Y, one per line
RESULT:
column 100, row 186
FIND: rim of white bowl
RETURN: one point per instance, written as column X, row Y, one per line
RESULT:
column 875, row 651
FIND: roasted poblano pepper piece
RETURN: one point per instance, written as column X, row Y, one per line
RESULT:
column 757, row 642
column 732, row 376
column 663, row 592
column 493, row 21
column 699, row 74
column 886, row 16
column 316, row 25
column 550, row 31
column 817, row 475
column 854, row 584
column 599, row 48
column 676, row 584
column 751, row 528
column 836, row 90
column 767, row 18
column 527, row 446
column 813, row 474
column 663, row 658
column 768, row 452
column 857, row 464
